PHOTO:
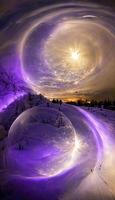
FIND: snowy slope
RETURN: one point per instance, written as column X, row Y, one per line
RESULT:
column 92, row 175
column 8, row 115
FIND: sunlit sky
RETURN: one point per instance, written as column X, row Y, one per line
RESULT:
column 60, row 51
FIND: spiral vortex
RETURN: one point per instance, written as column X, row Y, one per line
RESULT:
column 65, row 47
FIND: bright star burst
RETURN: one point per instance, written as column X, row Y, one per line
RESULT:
column 74, row 55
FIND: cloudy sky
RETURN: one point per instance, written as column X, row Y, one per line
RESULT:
column 62, row 50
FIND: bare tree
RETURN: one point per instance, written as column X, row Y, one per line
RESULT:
column 10, row 83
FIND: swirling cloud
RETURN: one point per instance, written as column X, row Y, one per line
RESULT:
column 65, row 30
column 66, row 49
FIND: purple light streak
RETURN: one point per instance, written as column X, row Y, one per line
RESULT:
column 6, row 101
column 97, row 132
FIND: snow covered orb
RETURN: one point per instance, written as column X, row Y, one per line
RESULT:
column 41, row 143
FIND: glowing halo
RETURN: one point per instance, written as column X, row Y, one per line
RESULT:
column 55, row 66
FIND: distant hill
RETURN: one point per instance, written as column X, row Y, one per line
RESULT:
column 8, row 115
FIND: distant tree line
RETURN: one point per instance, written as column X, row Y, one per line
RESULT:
column 107, row 104
column 59, row 101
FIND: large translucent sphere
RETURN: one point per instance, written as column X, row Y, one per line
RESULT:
column 41, row 143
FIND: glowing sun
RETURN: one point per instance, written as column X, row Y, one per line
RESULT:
column 75, row 55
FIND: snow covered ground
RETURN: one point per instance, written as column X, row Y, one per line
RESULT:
column 100, row 183
column 92, row 175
